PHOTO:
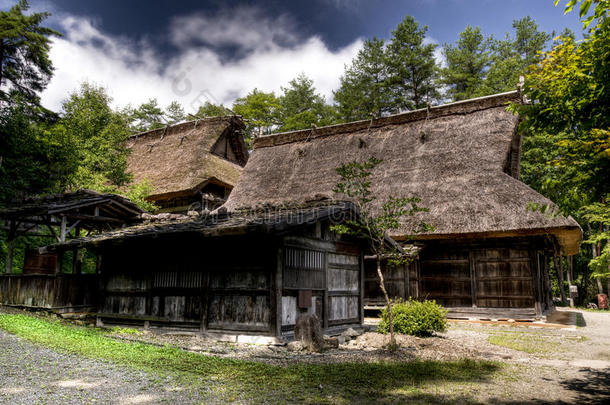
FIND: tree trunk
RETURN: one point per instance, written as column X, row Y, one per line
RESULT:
column 392, row 345
column 559, row 268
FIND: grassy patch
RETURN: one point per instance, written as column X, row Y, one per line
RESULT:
column 526, row 342
column 227, row 379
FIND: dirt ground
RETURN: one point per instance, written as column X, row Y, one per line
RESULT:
column 569, row 364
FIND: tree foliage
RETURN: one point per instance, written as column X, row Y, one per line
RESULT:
column 25, row 67
column 412, row 68
column 261, row 111
column 301, row 107
column 374, row 225
column 567, row 127
column 467, row 62
column 363, row 90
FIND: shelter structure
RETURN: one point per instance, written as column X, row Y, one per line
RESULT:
column 61, row 217
column 192, row 165
column 249, row 273
column 487, row 254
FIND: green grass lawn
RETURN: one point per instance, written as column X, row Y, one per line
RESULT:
column 532, row 343
column 227, row 379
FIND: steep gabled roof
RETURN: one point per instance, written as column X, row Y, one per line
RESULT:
column 461, row 159
column 178, row 159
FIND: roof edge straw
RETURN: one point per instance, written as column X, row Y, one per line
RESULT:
column 458, row 107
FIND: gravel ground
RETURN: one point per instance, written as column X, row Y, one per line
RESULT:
column 31, row 374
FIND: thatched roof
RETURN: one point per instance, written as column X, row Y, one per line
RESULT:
column 270, row 220
column 461, row 159
column 178, row 160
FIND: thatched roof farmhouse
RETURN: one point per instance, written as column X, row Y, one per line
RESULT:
column 462, row 159
column 269, row 254
column 190, row 163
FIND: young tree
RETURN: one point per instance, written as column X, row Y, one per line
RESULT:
column 174, row 113
column 301, row 107
column 412, row 68
column 467, row 62
column 374, row 224
column 260, row 110
column 25, row 67
column 211, row 110
column 364, row 90
column 148, row 116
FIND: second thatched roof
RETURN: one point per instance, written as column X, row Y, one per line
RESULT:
column 179, row 159
column 462, row 160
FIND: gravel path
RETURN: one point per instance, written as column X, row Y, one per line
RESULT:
column 31, row 374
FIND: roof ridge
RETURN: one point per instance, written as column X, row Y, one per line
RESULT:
column 185, row 123
column 457, row 107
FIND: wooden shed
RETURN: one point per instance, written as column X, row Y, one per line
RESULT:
column 248, row 273
column 191, row 165
column 487, row 254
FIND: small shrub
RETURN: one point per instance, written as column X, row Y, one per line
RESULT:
column 414, row 318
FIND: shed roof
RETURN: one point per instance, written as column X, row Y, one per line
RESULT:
column 266, row 220
column 178, row 159
column 461, row 159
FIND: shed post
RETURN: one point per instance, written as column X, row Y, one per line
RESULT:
column 362, row 287
column 11, row 246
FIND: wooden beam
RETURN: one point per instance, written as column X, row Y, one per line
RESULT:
column 277, row 291
column 94, row 218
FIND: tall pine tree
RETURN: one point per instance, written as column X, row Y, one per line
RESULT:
column 467, row 62
column 411, row 65
column 301, row 107
column 364, row 87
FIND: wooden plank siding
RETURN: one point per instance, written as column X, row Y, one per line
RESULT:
column 502, row 277
column 61, row 293
column 240, row 284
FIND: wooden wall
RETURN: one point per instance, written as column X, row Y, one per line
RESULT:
column 62, row 293
column 321, row 274
column 492, row 274
column 257, row 284
column 215, row 284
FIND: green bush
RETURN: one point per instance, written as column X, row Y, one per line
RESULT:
column 417, row 318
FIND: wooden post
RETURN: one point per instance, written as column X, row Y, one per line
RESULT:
column 473, row 282
column 11, row 246
column 547, row 284
column 570, row 260
column 361, row 287
column 62, row 231
column 559, row 268
column 277, row 292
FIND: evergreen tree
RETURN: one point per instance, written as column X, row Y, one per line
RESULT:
column 260, row 110
column 148, row 116
column 301, row 107
column 174, row 113
column 364, row 89
column 467, row 62
column 211, row 110
column 411, row 65
column 25, row 67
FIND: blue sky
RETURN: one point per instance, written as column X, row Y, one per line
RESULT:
column 197, row 51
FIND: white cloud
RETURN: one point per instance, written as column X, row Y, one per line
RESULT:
column 438, row 51
column 270, row 54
